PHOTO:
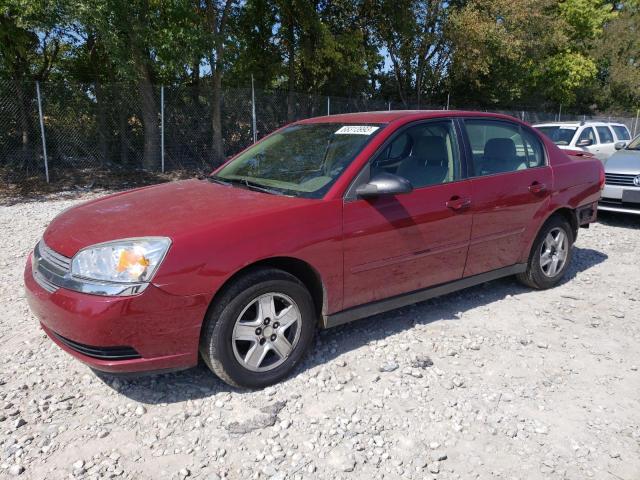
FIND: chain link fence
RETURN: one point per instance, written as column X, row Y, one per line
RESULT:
column 73, row 133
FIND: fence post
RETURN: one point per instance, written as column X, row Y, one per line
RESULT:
column 44, row 142
column 328, row 105
column 635, row 125
column 162, row 127
column 389, row 106
column 448, row 94
column 560, row 113
column 253, row 111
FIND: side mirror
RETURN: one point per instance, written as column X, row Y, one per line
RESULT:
column 620, row 145
column 384, row 184
column 585, row 142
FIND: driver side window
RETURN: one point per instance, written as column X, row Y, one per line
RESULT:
column 588, row 134
column 425, row 154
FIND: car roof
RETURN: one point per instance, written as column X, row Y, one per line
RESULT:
column 388, row 116
column 591, row 123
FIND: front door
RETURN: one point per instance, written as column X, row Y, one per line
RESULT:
column 588, row 134
column 510, row 187
column 402, row 243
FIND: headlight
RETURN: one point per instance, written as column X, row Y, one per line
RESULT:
column 131, row 260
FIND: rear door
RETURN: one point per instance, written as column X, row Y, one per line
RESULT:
column 402, row 243
column 510, row 187
column 607, row 143
column 621, row 133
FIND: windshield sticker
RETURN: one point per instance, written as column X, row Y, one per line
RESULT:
column 356, row 130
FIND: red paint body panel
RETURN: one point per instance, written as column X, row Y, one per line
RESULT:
column 362, row 250
column 163, row 328
column 400, row 244
column 503, row 208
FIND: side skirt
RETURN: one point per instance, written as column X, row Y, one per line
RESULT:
column 381, row 306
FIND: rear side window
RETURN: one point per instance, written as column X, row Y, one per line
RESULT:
column 605, row 134
column 587, row 134
column 621, row 132
column 499, row 147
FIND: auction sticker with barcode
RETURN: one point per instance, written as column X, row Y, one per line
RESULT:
column 356, row 130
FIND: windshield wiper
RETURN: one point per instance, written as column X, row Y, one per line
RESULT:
column 243, row 182
column 214, row 179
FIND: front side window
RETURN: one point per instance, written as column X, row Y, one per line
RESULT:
column 605, row 134
column 587, row 134
column 621, row 132
column 301, row 160
column 425, row 154
column 499, row 147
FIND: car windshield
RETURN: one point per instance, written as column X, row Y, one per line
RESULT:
column 301, row 160
column 635, row 144
column 558, row 134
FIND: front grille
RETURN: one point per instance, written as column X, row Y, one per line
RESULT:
column 623, row 179
column 49, row 267
column 43, row 282
column 101, row 353
column 56, row 260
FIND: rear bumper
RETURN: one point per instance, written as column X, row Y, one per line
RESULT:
column 150, row 331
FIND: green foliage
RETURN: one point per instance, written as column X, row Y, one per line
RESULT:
column 564, row 74
column 580, row 53
column 584, row 19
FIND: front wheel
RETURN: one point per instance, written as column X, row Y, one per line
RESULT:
column 550, row 255
column 259, row 329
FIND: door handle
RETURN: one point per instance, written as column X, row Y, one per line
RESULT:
column 537, row 188
column 457, row 204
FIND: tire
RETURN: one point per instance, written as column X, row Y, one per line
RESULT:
column 241, row 312
column 539, row 274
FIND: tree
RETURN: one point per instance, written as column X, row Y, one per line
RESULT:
column 147, row 42
column 216, row 20
column 31, row 37
column 618, row 52
column 412, row 32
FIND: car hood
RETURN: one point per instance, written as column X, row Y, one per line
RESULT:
column 170, row 209
column 623, row 161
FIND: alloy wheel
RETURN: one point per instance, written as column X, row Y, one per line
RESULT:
column 266, row 332
column 554, row 251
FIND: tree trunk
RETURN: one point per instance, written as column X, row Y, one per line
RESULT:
column 291, row 64
column 217, row 149
column 150, row 120
column 101, row 124
column 25, row 126
column 124, row 147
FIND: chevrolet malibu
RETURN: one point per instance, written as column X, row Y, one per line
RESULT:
column 325, row 221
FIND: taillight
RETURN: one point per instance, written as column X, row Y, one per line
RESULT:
column 602, row 177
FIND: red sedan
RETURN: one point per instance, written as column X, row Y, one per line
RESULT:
column 323, row 222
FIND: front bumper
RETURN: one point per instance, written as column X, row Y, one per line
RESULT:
column 153, row 330
column 611, row 200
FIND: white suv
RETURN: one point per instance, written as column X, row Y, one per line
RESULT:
column 600, row 138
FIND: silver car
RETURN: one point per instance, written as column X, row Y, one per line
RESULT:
column 622, row 185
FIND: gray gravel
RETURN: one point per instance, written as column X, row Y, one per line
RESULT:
column 493, row 382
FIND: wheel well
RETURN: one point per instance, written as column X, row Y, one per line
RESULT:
column 570, row 216
column 296, row 267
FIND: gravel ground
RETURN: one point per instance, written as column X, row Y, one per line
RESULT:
column 497, row 381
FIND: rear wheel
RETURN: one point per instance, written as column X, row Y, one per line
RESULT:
column 550, row 255
column 259, row 329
